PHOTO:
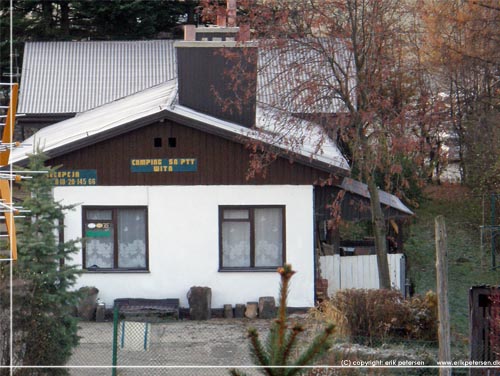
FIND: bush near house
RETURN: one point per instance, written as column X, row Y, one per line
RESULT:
column 369, row 316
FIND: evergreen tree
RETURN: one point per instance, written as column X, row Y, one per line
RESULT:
column 280, row 348
column 62, row 20
column 129, row 19
column 45, row 332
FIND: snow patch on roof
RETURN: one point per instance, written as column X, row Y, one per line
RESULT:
column 98, row 120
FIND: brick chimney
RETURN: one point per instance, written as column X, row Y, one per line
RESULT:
column 225, row 30
column 227, row 17
column 231, row 13
column 215, row 66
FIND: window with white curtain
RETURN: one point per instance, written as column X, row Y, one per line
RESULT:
column 251, row 237
column 115, row 238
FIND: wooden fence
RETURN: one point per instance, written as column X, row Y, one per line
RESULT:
column 484, row 337
column 345, row 272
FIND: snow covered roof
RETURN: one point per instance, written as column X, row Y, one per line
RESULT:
column 158, row 102
column 96, row 121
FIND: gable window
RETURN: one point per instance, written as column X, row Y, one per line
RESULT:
column 115, row 238
column 251, row 237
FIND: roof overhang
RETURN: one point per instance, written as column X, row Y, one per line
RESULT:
column 92, row 139
column 388, row 200
column 189, row 122
column 353, row 199
column 244, row 139
column 34, row 119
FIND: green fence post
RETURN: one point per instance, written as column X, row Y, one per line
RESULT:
column 115, row 339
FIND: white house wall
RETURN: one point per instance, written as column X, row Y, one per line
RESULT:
column 184, row 241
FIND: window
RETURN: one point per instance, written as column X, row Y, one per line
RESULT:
column 115, row 238
column 251, row 237
column 157, row 142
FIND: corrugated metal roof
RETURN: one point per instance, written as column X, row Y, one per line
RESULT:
column 71, row 77
column 301, row 76
column 120, row 114
column 386, row 198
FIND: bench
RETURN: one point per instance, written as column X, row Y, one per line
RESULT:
column 140, row 306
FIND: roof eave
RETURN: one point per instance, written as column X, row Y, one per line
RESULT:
column 308, row 161
column 192, row 123
column 98, row 137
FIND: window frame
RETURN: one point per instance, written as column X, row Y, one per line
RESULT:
column 114, row 221
column 251, row 220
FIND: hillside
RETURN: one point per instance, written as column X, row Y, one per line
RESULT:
column 468, row 264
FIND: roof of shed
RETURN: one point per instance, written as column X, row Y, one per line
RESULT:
column 361, row 189
column 159, row 102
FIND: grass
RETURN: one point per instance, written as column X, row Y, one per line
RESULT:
column 468, row 265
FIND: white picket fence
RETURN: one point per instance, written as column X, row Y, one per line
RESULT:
column 361, row 272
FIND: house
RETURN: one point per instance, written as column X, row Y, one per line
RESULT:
column 158, row 180
column 164, row 203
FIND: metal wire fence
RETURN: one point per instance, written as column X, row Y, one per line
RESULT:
column 154, row 345
column 134, row 341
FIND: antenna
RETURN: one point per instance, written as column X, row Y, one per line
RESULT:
column 16, row 76
column 6, row 145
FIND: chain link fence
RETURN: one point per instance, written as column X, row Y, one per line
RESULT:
column 144, row 344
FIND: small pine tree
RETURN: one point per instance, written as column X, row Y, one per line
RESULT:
column 282, row 340
column 45, row 331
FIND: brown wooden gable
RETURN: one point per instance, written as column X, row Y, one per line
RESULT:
column 219, row 160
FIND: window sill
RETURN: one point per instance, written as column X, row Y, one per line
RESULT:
column 246, row 270
column 111, row 271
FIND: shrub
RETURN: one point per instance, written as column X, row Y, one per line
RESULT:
column 327, row 312
column 422, row 319
column 369, row 316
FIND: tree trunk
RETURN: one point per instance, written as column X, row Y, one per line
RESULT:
column 379, row 231
column 48, row 21
column 64, row 18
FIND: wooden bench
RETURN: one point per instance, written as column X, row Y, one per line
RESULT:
column 147, row 307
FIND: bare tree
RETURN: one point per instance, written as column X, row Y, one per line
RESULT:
column 463, row 50
column 345, row 65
